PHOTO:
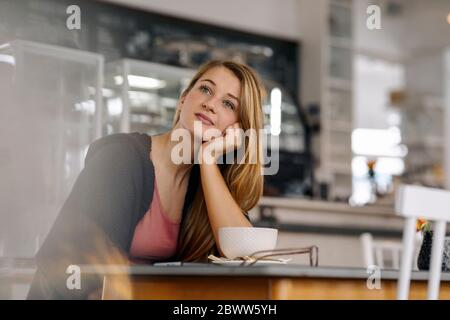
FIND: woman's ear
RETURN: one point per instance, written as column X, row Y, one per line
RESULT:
column 181, row 102
column 183, row 96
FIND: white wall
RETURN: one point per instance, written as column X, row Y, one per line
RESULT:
column 334, row 250
column 447, row 118
column 268, row 17
column 373, row 81
column 425, row 73
column 382, row 43
column 421, row 26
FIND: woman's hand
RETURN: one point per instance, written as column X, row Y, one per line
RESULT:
column 215, row 147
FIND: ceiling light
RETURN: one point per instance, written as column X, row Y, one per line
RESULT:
column 6, row 58
column 141, row 82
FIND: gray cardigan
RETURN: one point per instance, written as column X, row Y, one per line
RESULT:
column 109, row 198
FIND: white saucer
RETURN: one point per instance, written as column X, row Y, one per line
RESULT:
column 239, row 263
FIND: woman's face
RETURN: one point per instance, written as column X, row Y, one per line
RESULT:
column 216, row 96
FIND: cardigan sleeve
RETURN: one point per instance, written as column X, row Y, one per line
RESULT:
column 93, row 227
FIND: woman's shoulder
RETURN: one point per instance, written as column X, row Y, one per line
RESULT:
column 130, row 146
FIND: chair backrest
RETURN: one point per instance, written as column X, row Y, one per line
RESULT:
column 422, row 202
column 381, row 253
column 414, row 202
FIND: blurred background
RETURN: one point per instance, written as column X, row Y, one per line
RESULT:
column 358, row 96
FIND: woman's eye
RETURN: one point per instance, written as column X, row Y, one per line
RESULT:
column 205, row 89
column 229, row 104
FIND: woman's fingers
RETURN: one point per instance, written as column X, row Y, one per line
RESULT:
column 234, row 135
column 230, row 140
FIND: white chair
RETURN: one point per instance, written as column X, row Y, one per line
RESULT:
column 386, row 253
column 414, row 202
column 375, row 252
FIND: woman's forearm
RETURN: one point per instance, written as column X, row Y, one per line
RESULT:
column 223, row 211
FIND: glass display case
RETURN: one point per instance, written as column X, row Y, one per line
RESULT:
column 283, row 122
column 290, row 130
column 142, row 96
column 50, row 112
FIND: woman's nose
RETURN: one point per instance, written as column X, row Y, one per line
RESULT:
column 209, row 105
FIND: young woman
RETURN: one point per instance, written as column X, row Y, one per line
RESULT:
column 134, row 199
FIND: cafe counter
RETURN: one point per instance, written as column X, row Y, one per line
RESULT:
column 284, row 281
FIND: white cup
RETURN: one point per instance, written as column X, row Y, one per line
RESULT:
column 244, row 241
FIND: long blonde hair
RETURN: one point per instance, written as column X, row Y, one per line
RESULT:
column 244, row 181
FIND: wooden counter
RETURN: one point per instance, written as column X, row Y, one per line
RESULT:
column 206, row 281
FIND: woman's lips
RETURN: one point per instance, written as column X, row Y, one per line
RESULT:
column 204, row 119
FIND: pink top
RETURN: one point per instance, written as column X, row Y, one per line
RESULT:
column 155, row 236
